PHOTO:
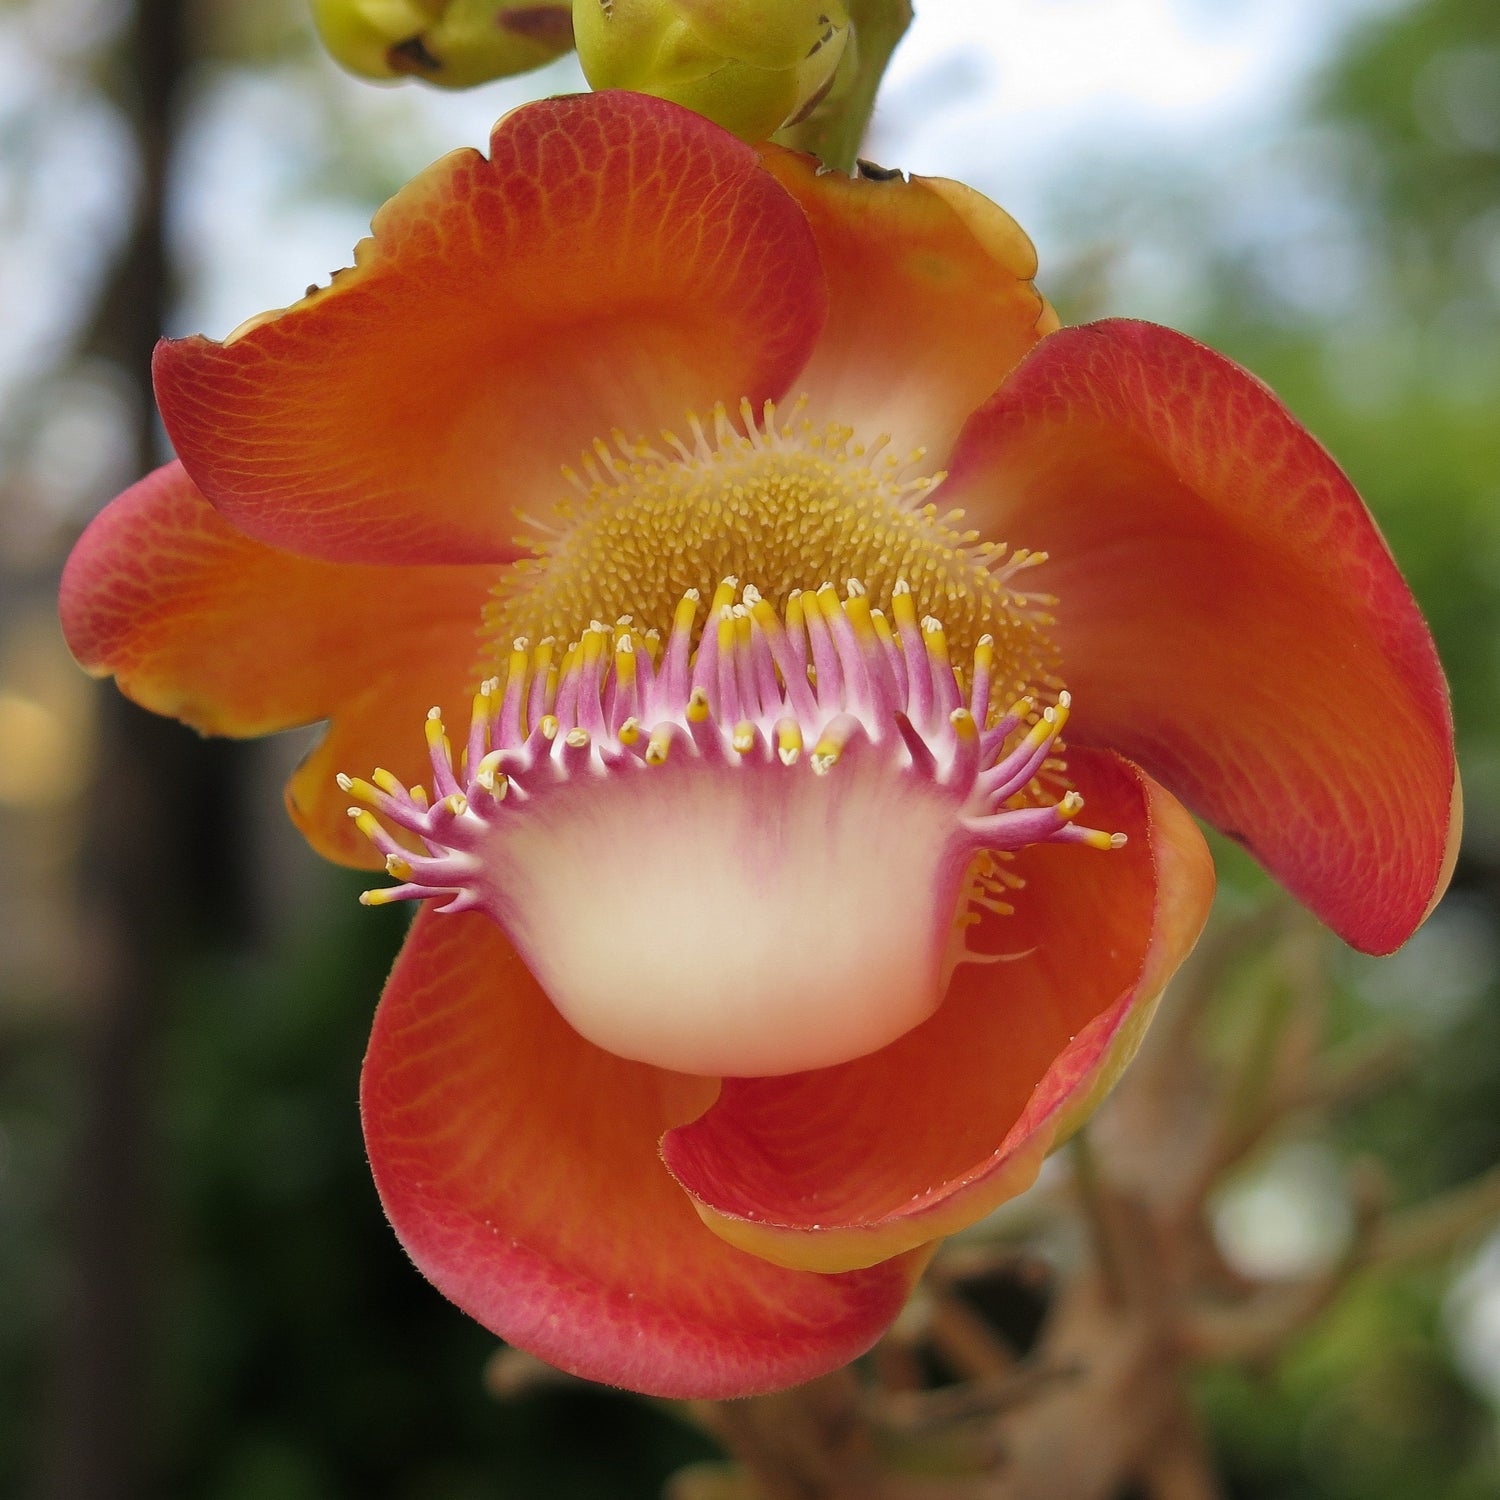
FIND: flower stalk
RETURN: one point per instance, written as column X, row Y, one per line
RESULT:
column 834, row 129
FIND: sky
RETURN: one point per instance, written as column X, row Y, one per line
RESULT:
column 1007, row 94
column 1019, row 97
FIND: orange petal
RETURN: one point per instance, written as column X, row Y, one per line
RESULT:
column 615, row 262
column 931, row 302
column 518, row 1164
column 1228, row 613
column 195, row 620
column 845, row 1166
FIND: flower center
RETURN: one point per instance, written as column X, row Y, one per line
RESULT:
column 753, row 858
column 747, row 840
column 782, row 504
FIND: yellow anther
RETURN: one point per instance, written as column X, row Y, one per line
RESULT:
column 549, row 726
column 1043, row 731
column 697, row 709
column 796, row 616
column 723, row 597
column 963, row 724
column 857, row 608
column 1070, row 806
column 829, row 748
column 593, row 645
column 788, row 741
column 903, row 606
column 481, row 708
column 763, row 612
column 456, row 803
column 630, row 731
column 984, row 653
column 743, row 738
column 367, row 824
column 829, row 604
column 687, row 609
column 520, row 658
column 397, row 868
column 1095, row 839
column 659, row 746
column 382, row 897
column 360, row 790
column 624, row 661
column 488, row 774
column 934, row 639
column 386, row 782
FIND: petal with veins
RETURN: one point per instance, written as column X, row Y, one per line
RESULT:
column 518, row 1164
column 1230, row 616
column 931, row 302
column 614, row 262
column 845, row 1166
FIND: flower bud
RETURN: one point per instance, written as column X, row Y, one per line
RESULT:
column 455, row 43
column 749, row 65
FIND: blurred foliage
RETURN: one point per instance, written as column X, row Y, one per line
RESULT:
column 1405, row 392
column 300, row 1355
column 293, row 1352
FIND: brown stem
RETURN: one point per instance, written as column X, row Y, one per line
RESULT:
column 1437, row 1226
column 811, row 1443
column 834, row 130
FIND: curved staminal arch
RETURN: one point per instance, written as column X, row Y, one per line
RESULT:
column 749, row 859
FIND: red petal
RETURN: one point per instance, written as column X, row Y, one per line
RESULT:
column 931, row 302
column 519, row 1166
column 844, row 1166
column 616, row 262
column 198, row 621
column 1229, row 614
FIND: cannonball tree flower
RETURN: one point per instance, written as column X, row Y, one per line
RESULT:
column 700, row 561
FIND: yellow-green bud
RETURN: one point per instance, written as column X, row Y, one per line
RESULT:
column 456, row 43
column 750, row 65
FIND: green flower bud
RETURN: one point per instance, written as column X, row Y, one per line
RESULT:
column 749, row 65
column 456, row 43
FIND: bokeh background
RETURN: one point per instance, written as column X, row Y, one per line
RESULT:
column 198, row 1295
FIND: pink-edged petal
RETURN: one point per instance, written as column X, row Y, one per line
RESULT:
column 615, row 262
column 931, row 302
column 196, row 620
column 519, row 1166
column 845, row 1166
column 1228, row 613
